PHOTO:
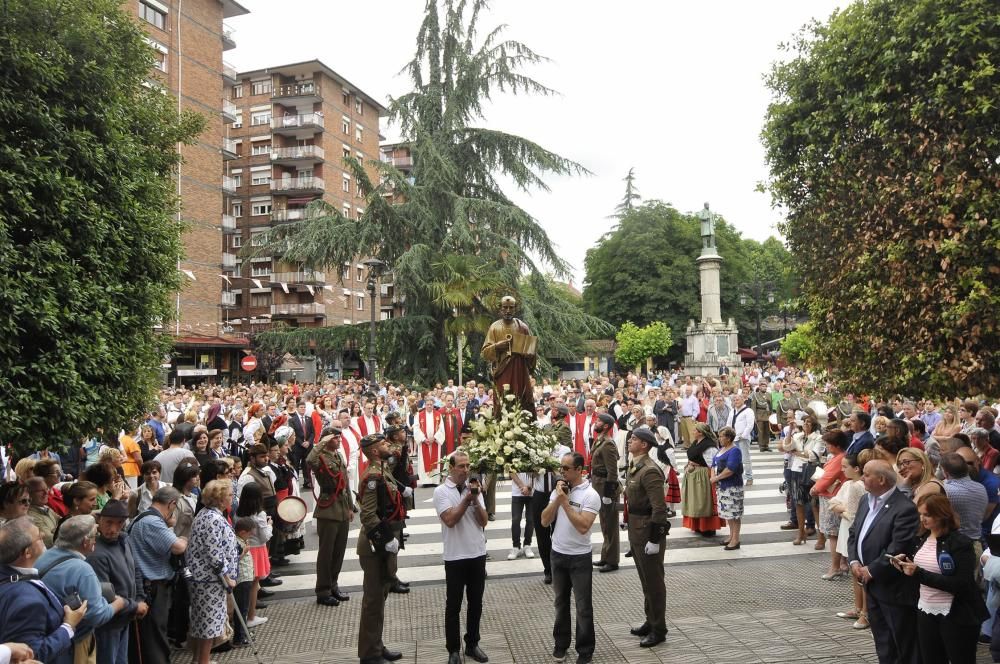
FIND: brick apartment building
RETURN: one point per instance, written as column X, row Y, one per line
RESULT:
column 189, row 37
column 294, row 125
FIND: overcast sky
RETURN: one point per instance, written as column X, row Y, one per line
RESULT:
column 673, row 89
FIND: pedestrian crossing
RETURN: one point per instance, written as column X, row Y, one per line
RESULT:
column 420, row 561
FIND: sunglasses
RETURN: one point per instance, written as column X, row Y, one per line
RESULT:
column 567, row 467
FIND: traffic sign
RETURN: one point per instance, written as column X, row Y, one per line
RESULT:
column 248, row 363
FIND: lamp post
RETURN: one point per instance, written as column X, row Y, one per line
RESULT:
column 375, row 268
column 757, row 292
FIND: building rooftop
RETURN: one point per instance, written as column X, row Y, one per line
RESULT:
column 310, row 66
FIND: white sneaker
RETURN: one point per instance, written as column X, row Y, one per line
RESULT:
column 256, row 622
column 514, row 554
column 528, row 553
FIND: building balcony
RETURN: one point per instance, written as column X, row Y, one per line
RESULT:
column 229, row 73
column 229, row 184
column 302, row 124
column 228, row 261
column 300, row 92
column 228, row 300
column 402, row 163
column 306, row 185
column 311, row 310
column 228, row 111
column 297, row 154
column 228, row 224
column 299, row 278
column 228, row 43
column 287, row 215
column 228, row 148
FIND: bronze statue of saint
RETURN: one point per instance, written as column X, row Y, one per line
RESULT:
column 512, row 352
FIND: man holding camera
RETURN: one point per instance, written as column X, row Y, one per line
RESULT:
column 647, row 529
column 381, row 508
column 572, row 507
column 604, row 477
column 460, row 506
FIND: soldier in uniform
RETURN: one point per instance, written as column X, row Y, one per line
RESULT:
column 333, row 514
column 405, row 479
column 604, row 479
column 381, row 508
column 760, row 402
column 647, row 530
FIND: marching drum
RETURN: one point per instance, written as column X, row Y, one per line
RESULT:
column 291, row 512
column 772, row 423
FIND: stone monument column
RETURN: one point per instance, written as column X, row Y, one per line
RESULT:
column 709, row 266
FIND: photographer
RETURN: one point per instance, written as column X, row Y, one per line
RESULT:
column 572, row 507
column 459, row 504
column 542, row 488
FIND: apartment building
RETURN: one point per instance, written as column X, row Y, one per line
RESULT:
column 294, row 125
column 189, row 38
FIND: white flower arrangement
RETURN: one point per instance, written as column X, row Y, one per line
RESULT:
column 512, row 443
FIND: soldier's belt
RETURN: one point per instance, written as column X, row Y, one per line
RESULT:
column 636, row 512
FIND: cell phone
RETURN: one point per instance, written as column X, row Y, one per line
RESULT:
column 72, row 599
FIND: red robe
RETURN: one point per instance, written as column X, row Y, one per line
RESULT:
column 362, row 424
column 578, row 426
column 429, row 452
column 452, row 429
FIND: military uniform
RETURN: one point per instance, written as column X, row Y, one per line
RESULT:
column 333, row 515
column 647, row 522
column 761, row 404
column 381, row 509
column 604, row 479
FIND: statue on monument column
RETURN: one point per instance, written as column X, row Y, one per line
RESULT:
column 707, row 228
column 512, row 352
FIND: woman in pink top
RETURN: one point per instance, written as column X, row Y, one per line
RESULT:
column 826, row 488
column 951, row 608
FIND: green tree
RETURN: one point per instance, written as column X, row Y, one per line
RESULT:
column 799, row 345
column 453, row 206
column 631, row 198
column 636, row 344
column 882, row 144
column 88, row 244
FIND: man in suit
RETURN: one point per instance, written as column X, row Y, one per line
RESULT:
column 303, row 428
column 30, row 613
column 863, row 438
column 886, row 523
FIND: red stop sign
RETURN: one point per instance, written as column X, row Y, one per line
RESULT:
column 248, row 363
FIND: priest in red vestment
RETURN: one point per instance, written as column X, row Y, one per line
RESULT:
column 428, row 435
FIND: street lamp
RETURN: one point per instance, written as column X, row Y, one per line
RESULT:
column 375, row 269
column 756, row 292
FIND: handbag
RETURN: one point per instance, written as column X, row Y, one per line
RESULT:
column 817, row 474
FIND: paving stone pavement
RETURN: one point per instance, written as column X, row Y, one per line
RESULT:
column 744, row 611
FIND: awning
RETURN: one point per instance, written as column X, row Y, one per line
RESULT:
column 236, row 342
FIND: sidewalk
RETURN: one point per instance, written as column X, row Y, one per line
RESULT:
column 762, row 610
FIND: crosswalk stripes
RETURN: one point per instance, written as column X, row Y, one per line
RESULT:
column 420, row 561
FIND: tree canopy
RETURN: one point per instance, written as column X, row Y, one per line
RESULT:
column 88, row 242
column 454, row 240
column 883, row 148
column 636, row 344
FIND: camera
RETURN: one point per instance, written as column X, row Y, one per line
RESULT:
column 474, row 487
column 72, row 599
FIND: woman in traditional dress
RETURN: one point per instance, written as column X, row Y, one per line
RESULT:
column 697, row 492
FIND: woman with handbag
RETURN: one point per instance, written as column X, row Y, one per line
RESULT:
column 825, row 488
column 951, row 608
column 728, row 480
column 805, row 449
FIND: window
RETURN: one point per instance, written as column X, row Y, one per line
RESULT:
column 345, row 183
column 260, row 270
column 345, row 274
column 262, row 87
column 347, row 152
column 360, row 157
column 260, row 147
column 238, row 91
column 361, row 274
column 259, row 239
column 260, row 117
column 260, row 208
column 359, row 107
column 359, row 133
column 386, row 314
column 261, row 177
column 160, row 60
column 361, row 302
column 237, row 181
column 345, row 126
column 260, row 299
column 345, row 97
column 360, row 212
column 239, row 120
column 153, row 15
column 237, row 208
column 237, row 241
column 304, row 173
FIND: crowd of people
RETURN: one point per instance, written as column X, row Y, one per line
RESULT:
column 171, row 532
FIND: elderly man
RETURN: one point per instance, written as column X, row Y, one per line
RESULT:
column 30, row 613
column 65, row 571
column 39, row 511
column 718, row 414
column 114, row 563
column 886, row 523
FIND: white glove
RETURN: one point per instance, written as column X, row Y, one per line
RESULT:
column 606, row 500
column 652, row 548
column 407, row 492
column 393, row 546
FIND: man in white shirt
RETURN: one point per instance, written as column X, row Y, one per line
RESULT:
column 689, row 411
column 172, row 456
column 743, row 423
column 572, row 507
column 460, row 506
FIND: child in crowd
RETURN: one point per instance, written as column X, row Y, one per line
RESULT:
column 245, row 527
column 252, row 506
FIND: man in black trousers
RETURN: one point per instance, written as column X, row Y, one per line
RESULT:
column 886, row 523
column 545, row 483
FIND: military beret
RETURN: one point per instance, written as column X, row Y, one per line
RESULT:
column 372, row 439
column 607, row 419
column 561, row 409
column 645, row 435
column 393, row 429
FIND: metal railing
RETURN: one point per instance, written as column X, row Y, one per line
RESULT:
column 300, row 277
column 294, row 184
column 229, row 144
column 287, row 215
column 228, row 71
column 228, row 223
column 228, row 260
column 298, row 152
column 229, row 184
column 312, row 309
column 299, row 89
column 228, row 108
column 301, row 120
column 228, row 299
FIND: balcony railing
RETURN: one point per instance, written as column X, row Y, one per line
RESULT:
column 299, row 277
column 287, row 215
column 229, row 261
column 228, row 223
column 313, row 152
column 229, row 71
column 297, row 121
column 229, row 184
column 228, row 299
column 297, row 184
column 311, row 309
column 402, row 162
column 301, row 89
column 228, row 147
column 229, row 110
column 228, row 42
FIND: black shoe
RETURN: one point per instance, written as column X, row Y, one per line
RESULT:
column 731, row 548
column 476, row 653
column 270, row 582
column 599, row 563
column 628, row 554
column 454, row 658
column 405, row 584
column 985, row 638
column 265, row 593
column 222, row 647
column 707, row 533
column 274, row 575
column 399, row 589
column 642, row 630
column 341, row 597
column 584, row 659
column 651, row 640
column 559, row 654
column 329, row 600
column 547, row 579
column 391, row 655
column 280, row 562
column 261, row 605
column 608, row 567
